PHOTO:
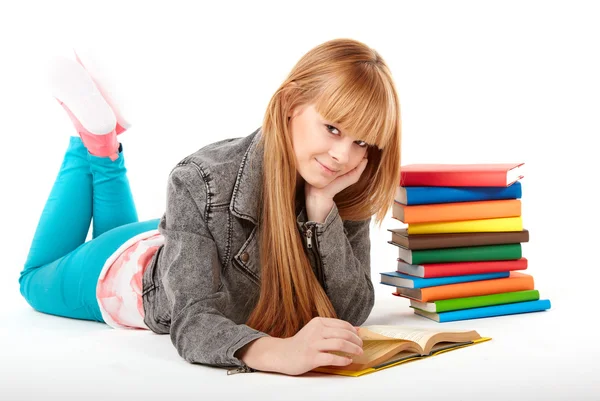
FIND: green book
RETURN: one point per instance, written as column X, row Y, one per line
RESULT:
column 462, row 254
column 447, row 305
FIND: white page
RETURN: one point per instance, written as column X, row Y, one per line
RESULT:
column 418, row 335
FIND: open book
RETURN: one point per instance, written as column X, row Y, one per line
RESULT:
column 386, row 346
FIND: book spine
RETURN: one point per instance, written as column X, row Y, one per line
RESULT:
column 448, row 305
column 483, row 225
column 453, row 179
column 457, row 211
column 496, row 310
column 455, row 240
column 435, row 195
column 433, row 282
column 432, row 270
column 514, row 283
column 467, row 254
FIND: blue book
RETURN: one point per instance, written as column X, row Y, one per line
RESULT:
column 487, row 311
column 404, row 280
column 431, row 195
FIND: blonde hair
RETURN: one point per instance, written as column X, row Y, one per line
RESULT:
column 351, row 85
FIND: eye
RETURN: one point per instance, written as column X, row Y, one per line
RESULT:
column 331, row 128
column 362, row 144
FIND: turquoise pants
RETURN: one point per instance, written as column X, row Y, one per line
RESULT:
column 62, row 269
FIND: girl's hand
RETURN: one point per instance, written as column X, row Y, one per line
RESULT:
column 308, row 348
column 319, row 201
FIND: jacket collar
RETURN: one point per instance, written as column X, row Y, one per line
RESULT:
column 245, row 200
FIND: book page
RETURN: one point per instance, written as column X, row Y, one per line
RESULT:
column 373, row 350
column 377, row 352
column 418, row 335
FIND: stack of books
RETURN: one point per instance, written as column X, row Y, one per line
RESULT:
column 460, row 256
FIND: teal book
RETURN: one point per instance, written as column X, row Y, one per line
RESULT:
column 404, row 280
column 462, row 254
column 446, row 305
column 487, row 311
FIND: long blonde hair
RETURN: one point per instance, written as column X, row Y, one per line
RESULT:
column 350, row 84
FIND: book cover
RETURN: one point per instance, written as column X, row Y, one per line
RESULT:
column 399, row 359
column 515, row 282
column 431, row 270
column 488, row 311
column 457, row 211
column 434, row 195
column 461, row 175
column 447, row 305
column 463, row 254
column 400, row 237
column 482, row 225
column 385, row 346
column 402, row 280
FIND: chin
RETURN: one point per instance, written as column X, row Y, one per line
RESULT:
column 318, row 182
column 315, row 178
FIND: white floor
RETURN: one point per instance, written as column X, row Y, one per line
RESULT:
column 478, row 82
column 541, row 355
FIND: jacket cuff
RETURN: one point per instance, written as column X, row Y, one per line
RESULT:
column 302, row 218
column 246, row 335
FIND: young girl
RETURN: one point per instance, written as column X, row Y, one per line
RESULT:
column 261, row 260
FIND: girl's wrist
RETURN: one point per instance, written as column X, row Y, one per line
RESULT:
column 261, row 354
column 318, row 208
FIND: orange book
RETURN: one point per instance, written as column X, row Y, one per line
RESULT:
column 515, row 282
column 458, row 211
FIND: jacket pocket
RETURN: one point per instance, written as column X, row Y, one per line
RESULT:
column 247, row 259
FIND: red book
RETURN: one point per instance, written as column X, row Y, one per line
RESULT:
column 430, row 270
column 461, row 175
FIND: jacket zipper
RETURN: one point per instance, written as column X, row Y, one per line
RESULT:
column 241, row 369
column 308, row 234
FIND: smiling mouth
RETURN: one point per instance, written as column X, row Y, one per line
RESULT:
column 332, row 170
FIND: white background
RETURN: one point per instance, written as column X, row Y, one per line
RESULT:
column 478, row 82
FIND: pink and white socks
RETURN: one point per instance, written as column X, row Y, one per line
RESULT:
column 103, row 82
column 82, row 98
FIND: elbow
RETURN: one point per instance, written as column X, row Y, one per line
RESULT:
column 196, row 351
column 367, row 304
column 185, row 349
column 361, row 304
column 191, row 343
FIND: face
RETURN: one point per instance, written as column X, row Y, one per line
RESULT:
column 323, row 150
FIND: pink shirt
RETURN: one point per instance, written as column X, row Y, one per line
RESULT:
column 119, row 288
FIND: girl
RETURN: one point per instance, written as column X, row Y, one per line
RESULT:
column 261, row 260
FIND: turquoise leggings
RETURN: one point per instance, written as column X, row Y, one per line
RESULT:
column 62, row 269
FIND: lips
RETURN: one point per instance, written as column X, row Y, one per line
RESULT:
column 328, row 168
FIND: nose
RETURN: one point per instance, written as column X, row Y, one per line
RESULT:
column 340, row 151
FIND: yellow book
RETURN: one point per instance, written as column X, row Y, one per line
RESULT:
column 387, row 346
column 468, row 226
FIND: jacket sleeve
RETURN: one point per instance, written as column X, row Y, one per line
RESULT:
column 344, row 250
column 200, row 331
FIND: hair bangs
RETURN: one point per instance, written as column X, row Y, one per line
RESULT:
column 362, row 103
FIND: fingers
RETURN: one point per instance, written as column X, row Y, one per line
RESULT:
column 328, row 338
column 361, row 166
column 353, row 175
column 343, row 334
column 325, row 359
column 338, row 335
column 337, row 328
column 332, row 322
column 340, row 183
column 339, row 345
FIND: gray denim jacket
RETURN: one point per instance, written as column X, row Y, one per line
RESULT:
column 202, row 284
